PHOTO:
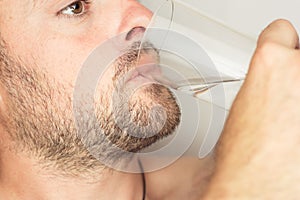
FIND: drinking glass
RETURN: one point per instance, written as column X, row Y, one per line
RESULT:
column 187, row 68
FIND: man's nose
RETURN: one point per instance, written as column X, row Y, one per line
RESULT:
column 138, row 30
column 135, row 20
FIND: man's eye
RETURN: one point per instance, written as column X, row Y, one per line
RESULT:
column 75, row 9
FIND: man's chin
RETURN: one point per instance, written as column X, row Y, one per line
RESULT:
column 148, row 115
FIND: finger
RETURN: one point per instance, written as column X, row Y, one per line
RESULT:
column 281, row 32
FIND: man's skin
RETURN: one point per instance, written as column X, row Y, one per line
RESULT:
column 39, row 36
column 258, row 154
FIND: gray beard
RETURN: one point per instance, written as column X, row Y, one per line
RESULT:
column 40, row 120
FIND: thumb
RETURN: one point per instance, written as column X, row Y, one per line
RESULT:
column 280, row 32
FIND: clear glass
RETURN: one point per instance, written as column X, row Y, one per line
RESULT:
column 185, row 64
column 186, row 67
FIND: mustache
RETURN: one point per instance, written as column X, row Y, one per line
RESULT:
column 131, row 56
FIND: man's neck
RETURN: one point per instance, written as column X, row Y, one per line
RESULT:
column 22, row 179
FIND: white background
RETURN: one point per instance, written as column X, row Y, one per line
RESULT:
column 249, row 16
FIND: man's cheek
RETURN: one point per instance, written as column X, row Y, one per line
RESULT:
column 62, row 59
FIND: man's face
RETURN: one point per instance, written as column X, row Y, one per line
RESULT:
column 43, row 46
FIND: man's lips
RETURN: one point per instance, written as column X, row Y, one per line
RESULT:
column 145, row 70
column 146, row 73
